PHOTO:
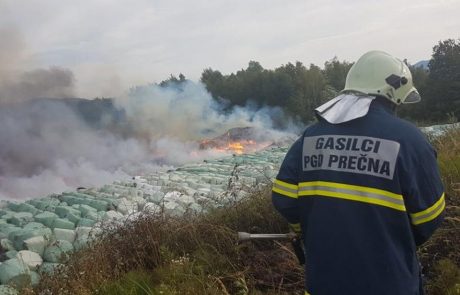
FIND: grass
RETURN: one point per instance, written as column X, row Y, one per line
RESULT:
column 199, row 254
column 440, row 256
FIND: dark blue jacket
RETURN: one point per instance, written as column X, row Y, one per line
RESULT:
column 366, row 193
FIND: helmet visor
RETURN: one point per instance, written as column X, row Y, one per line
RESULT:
column 412, row 97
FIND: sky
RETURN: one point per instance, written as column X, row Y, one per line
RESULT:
column 110, row 45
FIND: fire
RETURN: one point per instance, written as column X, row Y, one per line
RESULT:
column 237, row 141
column 237, row 147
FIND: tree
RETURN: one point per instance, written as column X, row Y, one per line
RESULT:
column 336, row 73
column 443, row 85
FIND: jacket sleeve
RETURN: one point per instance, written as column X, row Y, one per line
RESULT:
column 285, row 186
column 423, row 192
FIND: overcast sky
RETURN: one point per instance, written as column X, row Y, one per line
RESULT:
column 111, row 45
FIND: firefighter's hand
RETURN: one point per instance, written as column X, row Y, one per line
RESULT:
column 296, row 228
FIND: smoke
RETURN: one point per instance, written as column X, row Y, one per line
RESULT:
column 16, row 84
column 48, row 146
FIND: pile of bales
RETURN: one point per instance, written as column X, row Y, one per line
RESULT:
column 37, row 235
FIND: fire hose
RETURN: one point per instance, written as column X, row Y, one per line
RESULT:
column 296, row 242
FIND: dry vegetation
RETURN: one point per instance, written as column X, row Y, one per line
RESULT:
column 199, row 254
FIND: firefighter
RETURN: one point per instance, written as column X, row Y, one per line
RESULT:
column 362, row 187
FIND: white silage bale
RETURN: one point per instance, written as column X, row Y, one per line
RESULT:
column 134, row 192
column 31, row 259
column 64, row 234
column 185, row 200
column 175, row 177
column 36, row 244
column 112, row 216
column 195, row 207
column 172, row 196
column 125, row 206
column 85, row 235
column 152, row 208
column 157, row 197
column 192, row 184
column 140, row 202
column 204, row 190
column 173, row 208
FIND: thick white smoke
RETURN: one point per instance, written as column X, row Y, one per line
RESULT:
column 18, row 84
column 46, row 147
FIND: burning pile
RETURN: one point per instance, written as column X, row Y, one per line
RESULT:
column 238, row 141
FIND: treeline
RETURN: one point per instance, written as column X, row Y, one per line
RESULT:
column 294, row 87
column 298, row 89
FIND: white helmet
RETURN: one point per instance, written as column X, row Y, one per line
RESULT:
column 380, row 74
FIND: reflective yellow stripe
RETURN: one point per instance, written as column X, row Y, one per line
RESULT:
column 287, row 185
column 352, row 187
column 430, row 213
column 306, row 293
column 353, row 193
column 286, row 189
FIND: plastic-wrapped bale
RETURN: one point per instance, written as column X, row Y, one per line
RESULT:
column 85, row 235
column 25, row 207
column 157, row 197
column 18, row 237
column 11, row 254
column 7, row 214
column 99, row 205
column 63, row 223
column 86, row 222
column 46, row 204
column 34, row 278
column 31, row 259
column 72, row 214
column 152, row 208
column 85, row 210
column 8, row 228
column 125, row 206
column 14, row 271
column 139, row 201
column 112, row 216
column 58, row 251
column 93, row 215
column 13, row 206
column 22, row 218
column 36, row 244
column 64, row 234
column 8, row 290
column 173, row 208
column 47, row 218
column 185, row 200
column 6, row 244
column 34, row 225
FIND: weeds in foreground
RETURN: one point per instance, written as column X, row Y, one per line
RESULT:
column 192, row 254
